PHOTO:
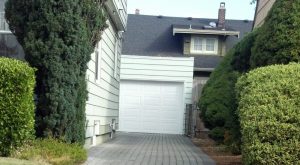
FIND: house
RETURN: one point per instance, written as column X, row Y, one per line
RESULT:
column 9, row 47
column 262, row 9
column 103, row 74
column 165, row 62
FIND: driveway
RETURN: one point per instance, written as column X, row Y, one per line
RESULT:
column 144, row 149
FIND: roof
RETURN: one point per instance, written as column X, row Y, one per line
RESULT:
column 153, row 36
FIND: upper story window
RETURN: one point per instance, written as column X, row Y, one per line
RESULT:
column 3, row 24
column 204, row 45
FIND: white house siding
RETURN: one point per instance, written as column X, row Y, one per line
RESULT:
column 169, row 69
column 103, row 97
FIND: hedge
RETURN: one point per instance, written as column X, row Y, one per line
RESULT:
column 17, row 82
column 269, row 101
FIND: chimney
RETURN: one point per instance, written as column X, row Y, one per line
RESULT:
column 221, row 17
column 137, row 11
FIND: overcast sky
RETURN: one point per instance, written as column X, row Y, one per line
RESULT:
column 236, row 9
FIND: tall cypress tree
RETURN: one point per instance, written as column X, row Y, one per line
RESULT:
column 58, row 37
column 278, row 39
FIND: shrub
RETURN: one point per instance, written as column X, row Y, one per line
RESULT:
column 16, row 104
column 58, row 38
column 278, row 39
column 218, row 102
column 269, row 100
column 217, row 133
column 52, row 151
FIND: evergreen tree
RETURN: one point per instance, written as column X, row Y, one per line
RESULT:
column 279, row 38
column 58, row 37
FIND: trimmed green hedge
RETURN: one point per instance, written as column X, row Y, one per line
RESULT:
column 17, row 82
column 269, row 101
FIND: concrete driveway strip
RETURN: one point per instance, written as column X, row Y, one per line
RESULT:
column 148, row 149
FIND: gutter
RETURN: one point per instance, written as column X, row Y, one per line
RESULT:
column 198, row 31
column 204, row 69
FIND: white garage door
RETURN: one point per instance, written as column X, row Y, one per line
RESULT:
column 151, row 107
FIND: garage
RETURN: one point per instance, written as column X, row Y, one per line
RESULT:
column 151, row 107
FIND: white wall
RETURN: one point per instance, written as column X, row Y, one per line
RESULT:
column 171, row 69
column 103, row 98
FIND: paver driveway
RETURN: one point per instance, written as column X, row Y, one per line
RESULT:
column 152, row 149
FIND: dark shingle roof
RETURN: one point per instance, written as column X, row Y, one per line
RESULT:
column 153, row 36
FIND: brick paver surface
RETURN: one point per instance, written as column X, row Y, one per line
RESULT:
column 147, row 149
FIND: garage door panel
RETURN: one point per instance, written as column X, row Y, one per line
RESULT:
column 156, row 108
column 151, row 101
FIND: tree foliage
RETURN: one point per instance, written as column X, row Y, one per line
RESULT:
column 16, row 104
column 58, row 37
column 279, row 38
column 269, row 112
column 218, row 103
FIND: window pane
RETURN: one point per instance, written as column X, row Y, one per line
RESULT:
column 210, row 45
column 2, row 4
column 198, row 43
column 3, row 24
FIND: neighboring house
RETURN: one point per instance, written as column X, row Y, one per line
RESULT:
column 9, row 47
column 262, row 9
column 165, row 62
column 103, row 75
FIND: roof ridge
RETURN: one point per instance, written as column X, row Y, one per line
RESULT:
column 186, row 17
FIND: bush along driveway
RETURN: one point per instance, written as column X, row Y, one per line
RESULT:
column 147, row 149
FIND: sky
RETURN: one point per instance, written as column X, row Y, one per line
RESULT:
column 235, row 9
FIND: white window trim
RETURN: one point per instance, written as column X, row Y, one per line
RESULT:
column 116, row 57
column 193, row 51
column 4, row 31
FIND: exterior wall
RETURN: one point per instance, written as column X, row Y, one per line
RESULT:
column 117, row 9
column 263, row 7
column 103, row 99
column 187, row 45
column 169, row 69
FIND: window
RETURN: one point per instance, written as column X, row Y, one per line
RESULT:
column 3, row 24
column 98, row 52
column 202, row 45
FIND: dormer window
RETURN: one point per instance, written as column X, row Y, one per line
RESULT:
column 204, row 45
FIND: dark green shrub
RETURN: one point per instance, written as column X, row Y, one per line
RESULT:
column 16, row 104
column 242, row 54
column 218, row 102
column 52, row 151
column 279, row 38
column 269, row 101
column 217, row 133
column 58, row 38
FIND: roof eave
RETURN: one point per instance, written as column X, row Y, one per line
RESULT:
column 204, row 69
column 206, row 31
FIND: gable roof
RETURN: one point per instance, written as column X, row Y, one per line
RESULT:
column 153, row 36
